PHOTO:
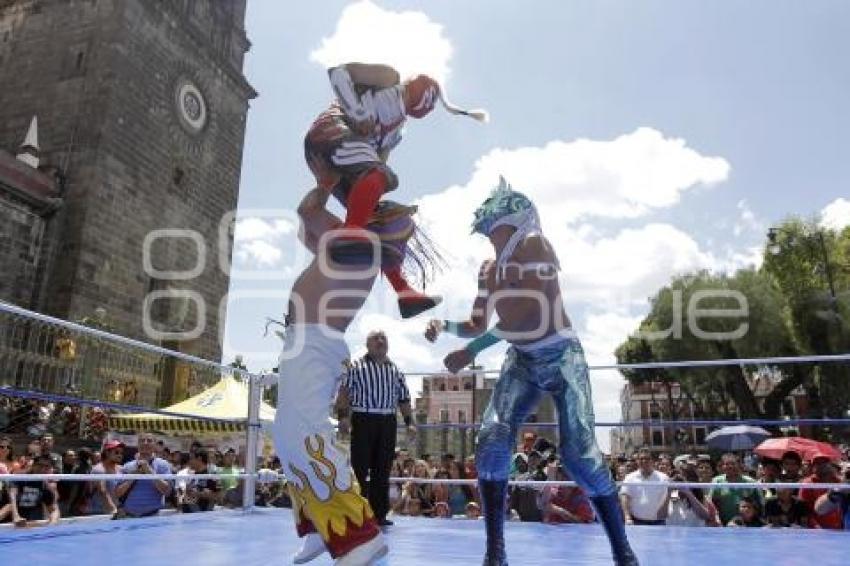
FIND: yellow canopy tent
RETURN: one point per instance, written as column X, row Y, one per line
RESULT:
column 227, row 400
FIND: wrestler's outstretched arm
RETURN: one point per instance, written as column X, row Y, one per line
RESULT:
column 479, row 318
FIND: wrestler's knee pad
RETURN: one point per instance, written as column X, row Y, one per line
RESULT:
column 492, row 457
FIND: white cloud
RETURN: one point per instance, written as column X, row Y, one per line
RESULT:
column 258, row 241
column 409, row 41
column 747, row 221
column 253, row 228
column 626, row 177
column 836, row 215
column 262, row 253
column 607, row 277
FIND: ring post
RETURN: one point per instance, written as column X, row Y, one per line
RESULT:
column 255, row 390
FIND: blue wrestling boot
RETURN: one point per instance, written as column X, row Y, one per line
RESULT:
column 611, row 516
column 493, row 495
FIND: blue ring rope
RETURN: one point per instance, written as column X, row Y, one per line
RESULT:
column 12, row 392
column 661, row 424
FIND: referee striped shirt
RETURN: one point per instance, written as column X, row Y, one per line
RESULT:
column 374, row 386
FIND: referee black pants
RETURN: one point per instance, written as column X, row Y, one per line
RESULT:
column 372, row 453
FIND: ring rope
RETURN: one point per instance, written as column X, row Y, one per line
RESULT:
column 16, row 310
column 826, row 358
column 269, row 478
column 56, row 398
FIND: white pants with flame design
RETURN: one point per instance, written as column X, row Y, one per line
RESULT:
column 325, row 494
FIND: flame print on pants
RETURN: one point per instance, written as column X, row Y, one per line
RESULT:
column 343, row 518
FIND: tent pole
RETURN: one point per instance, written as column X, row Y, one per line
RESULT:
column 255, row 393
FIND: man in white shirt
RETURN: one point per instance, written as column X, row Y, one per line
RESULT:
column 645, row 504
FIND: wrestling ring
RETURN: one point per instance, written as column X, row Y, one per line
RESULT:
column 255, row 536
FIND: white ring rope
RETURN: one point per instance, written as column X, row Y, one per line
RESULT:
column 690, row 363
column 270, row 478
column 12, row 309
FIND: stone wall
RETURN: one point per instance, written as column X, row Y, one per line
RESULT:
column 108, row 79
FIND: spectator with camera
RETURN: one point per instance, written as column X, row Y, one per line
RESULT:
column 201, row 494
column 525, row 498
column 143, row 498
column 690, row 507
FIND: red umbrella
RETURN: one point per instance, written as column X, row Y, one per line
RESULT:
column 807, row 448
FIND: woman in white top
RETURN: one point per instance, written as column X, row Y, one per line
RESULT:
column 690, row 507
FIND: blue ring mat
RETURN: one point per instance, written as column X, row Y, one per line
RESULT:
column 266, row 537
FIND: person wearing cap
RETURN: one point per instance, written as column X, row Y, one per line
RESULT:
column 105, row 500
column 545, row 357
column 347, row 147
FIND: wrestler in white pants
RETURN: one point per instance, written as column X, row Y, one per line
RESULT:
column 325, row 496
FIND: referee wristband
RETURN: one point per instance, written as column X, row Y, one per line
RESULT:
column 483, row 342
column 408, row 420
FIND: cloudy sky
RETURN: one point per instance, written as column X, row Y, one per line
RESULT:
column 656, row 137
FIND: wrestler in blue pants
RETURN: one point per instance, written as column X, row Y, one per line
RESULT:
column 560, row 370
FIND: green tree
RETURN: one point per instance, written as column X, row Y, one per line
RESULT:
column 748, row 321
column 811, row 266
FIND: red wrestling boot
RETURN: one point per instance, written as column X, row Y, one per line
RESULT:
column 354, row 246
column 410, row 301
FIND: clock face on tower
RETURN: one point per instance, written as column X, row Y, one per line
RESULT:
column 191, row 106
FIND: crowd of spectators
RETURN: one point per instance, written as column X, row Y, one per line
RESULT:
column 42, row 502
column 36, row 503
column 643, row 504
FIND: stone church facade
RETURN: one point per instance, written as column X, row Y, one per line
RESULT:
column 117, row 196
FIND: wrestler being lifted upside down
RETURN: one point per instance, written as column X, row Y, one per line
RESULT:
column 347, row 147
column 521, row 287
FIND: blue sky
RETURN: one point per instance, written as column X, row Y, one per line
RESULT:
column 657, row 137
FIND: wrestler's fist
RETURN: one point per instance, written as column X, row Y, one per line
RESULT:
column 411, row 434
column 433, row 330
column 457, row 360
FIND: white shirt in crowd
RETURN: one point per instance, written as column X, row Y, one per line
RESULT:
column 646, row 500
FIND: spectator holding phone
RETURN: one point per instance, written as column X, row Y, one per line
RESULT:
column 201, row 494
column 143, row 498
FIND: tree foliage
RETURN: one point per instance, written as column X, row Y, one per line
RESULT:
column 784, row 308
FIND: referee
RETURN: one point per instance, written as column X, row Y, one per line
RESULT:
column 373, row 389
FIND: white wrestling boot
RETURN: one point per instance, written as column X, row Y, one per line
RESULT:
column 366, row 554
column 312, row 548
